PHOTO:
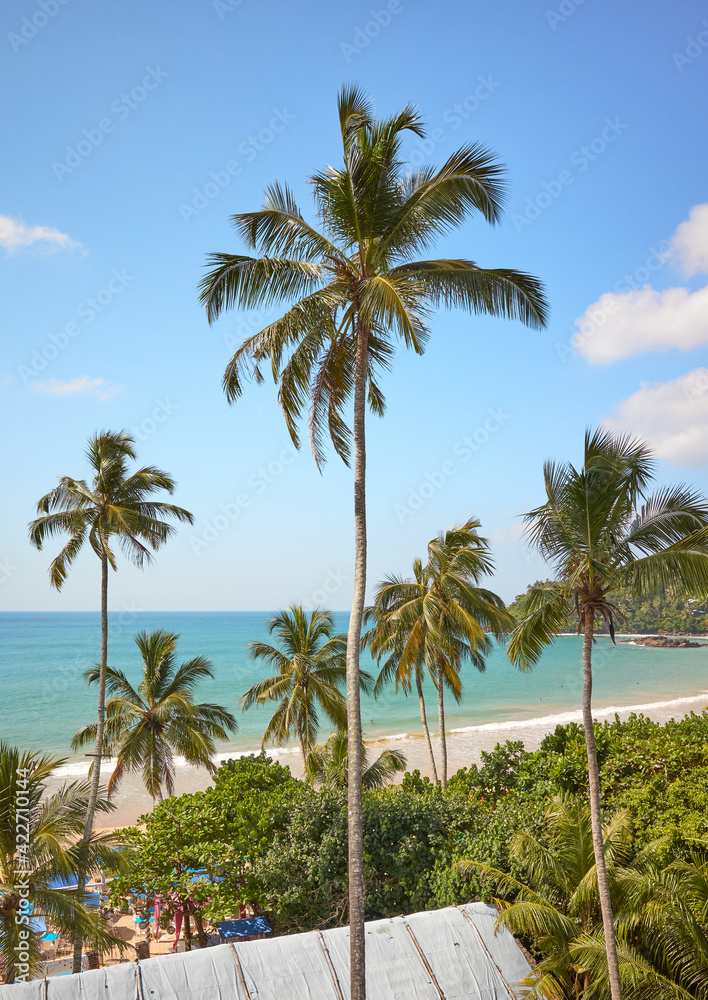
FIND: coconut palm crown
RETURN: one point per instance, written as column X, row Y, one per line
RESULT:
column 147, row 725
column 311, row 669
column 601, row 530
column 439, row 619
column 354, row 283
column 118, row 508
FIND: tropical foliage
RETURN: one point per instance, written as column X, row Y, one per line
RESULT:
column 39, row 835
column 311, row 669
column 147, row 725
column 355, row 283
column 437, row 621
column 327, row 764
column 600, row 531
column 652, row 613
column 261, row 837
column 118, row 508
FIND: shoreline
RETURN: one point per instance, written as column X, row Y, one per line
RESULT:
column 465, row 745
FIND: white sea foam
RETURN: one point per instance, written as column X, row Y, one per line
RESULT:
column 551, row 721
column 79, row 768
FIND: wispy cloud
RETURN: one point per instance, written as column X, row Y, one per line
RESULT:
column 81, row 385
column 14, row 234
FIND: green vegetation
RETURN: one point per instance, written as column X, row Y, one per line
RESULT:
column 327, row 765
column 600, row 530
column 147, row 725
column 280, row 844
column 39, row 832
column 356, row 283
column 437, row 621
column 311, row 665
column 119, row 507
column 658, row 613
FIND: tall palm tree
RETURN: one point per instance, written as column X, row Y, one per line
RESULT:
column 38, row 846
column 439, row 619
column 355, row 282
column 146, row 726
column 601, row 532
column 556, row 904
column 327, row 764
column 388, row 640
column 117, row 507
column 311, row 664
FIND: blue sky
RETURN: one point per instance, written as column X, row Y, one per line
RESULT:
column 132, row 132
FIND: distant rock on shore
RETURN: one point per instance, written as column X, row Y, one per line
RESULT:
column 665, row 642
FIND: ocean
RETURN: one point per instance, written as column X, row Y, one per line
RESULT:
column 44, row 698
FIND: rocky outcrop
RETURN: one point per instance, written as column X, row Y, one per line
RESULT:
column 664, row 642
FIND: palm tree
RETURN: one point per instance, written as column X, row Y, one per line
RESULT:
column 145, row 727
column 119, row 507
column 557, row 905
column 602, row 533
column 388, row 640
column 311, row 665
column 354, row 283
column 439, row 620
column 38, row 846
column 327, row 764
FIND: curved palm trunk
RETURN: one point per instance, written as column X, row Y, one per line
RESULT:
column 424, row 723
column 96, row 775
column 357, row 898
column 303, row 752
column 441, row 721
column 596, row 814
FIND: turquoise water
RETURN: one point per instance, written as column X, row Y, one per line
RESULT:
column 44, row 699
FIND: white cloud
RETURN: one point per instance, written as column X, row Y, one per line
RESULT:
column 671, row 416
column 15, row 234
column 618, row 326
column 690, row 242
column 98, row 387
column 621, row 324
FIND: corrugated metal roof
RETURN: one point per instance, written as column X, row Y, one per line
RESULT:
column 447, row 954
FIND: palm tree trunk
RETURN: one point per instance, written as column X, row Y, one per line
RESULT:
column 302, row 751
column 96, row 774
column 596, row 814
column 424, row 723
column 357, row 900
column 441, row 721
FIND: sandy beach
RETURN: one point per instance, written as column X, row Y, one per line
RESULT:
column 465, row 745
